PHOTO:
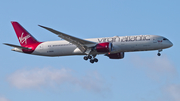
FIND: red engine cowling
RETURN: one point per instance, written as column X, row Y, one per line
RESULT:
column 104, row 47
column 116, row 55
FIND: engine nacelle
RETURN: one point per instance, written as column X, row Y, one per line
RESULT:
column 104, row 47
column 116, row 55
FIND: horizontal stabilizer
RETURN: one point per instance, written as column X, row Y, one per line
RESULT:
column 16, row 46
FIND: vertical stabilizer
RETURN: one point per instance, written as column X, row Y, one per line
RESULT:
column 24, row 37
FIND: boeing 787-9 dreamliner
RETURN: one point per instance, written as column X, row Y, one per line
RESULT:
column 113, row 47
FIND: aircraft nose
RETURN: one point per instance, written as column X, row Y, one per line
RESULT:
column 170, row 44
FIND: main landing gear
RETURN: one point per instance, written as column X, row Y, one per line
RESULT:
column 92, row 58
column 159, row 54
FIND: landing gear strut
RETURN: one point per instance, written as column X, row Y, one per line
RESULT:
column 92, row 58
column 159, row 54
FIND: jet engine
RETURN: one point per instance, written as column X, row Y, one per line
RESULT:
column 119, row 55
column 104, row 47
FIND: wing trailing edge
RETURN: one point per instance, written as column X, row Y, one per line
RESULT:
column 83, row 45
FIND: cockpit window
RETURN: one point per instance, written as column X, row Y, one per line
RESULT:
column 165, row 39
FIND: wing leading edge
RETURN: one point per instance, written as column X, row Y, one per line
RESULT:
column 84, row 45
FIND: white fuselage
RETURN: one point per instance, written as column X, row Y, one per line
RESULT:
column 120, row 44
column 113, row 47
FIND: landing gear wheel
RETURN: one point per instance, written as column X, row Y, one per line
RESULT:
column 89, row 57
column 159, row 54
column 85, row 58
column 95, row 60
column 92, row 60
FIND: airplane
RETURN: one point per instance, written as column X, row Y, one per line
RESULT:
column 112, row 47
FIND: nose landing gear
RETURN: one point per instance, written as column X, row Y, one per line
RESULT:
column 159, row 54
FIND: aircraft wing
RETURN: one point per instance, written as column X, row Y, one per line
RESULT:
column 83, row 45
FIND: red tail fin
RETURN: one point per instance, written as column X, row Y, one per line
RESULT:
column 23, row 36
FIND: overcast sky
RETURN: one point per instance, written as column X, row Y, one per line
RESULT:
column 140, row 76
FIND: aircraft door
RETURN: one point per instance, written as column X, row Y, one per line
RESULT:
column 41, row 46
column 154, row 41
